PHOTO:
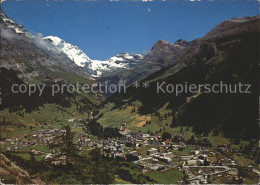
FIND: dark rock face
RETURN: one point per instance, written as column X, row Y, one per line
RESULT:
column 32, row 57
column 164, row 53
column 229, row 53
column 234, row 26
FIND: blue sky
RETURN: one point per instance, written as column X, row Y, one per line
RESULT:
column 102, row 29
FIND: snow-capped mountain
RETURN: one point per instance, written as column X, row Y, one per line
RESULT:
column 120, row 61
column 96, row 68
column 11, row 24
column 33, row 57
column 58, row 47
column 73, row 52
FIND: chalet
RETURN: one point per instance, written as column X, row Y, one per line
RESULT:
column 123, row 126
column 146, row 136
column 194, row 152
column 139, row 141
column 168, row 154
column 250, row 168
column 152, row 151
column 134, row 153
column 203, row 157
column 206, row 152
column 80, row 126
column 162, row 158
column 186, row 157
column 192, row 162
column 227, row 162
column 186, row 170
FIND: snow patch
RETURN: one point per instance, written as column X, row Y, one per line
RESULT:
column 11, row 24
column 239, row 19
column 73, row 52
column 95, row 68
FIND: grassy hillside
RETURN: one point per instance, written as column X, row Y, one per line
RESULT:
column 20, row 123
column 22, row 114
column 128, row 114
column 230, row 59
column 13, row 174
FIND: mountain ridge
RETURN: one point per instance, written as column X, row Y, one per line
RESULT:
column 32, row 57
column 124, row 67
column 231, row 57
column 97, row 68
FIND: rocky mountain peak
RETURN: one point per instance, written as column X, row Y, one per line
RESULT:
column 182, row 42
column 96, row 68
column 160, row 44
column 165, row 53
column 6, row 21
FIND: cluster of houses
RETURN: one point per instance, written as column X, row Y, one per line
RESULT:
column 40, row 137
column 158, row 155
column 17, row 144
column 227, row 148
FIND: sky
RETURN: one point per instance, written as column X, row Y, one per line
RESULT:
column 103, row 29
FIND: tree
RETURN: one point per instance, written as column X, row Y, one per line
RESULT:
column 191, row 140
column 216, row 132
column 4, row 121
column 65, row 146
column 185, row 179
column 32, row 158
column 181, row 130
column 257, row 157
column 131, row 157
column 166, row 135
column 241, row 174
column 176, row 139
column 125, row 174
column 70, row 147
column 102, row 171
column 97, row 129
column 206, row 162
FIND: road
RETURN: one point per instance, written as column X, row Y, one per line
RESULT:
column 213, row 173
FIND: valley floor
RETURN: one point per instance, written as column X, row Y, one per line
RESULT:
column 144, row 153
